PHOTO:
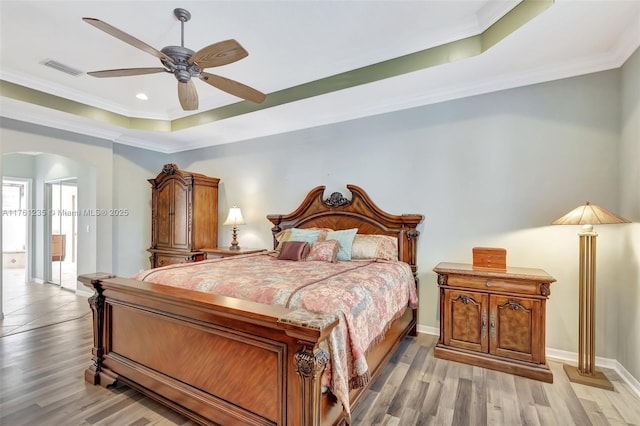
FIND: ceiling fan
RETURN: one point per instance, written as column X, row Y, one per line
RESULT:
column 185, row 64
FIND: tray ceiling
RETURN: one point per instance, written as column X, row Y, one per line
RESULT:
column 319, row 62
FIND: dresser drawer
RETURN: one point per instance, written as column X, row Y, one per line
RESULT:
column 494, row 285
column 164, row 259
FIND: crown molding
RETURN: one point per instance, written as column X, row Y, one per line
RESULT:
column 30, row 113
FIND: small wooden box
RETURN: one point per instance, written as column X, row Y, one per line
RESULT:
column 487, row 258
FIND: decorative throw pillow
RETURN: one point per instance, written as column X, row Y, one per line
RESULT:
column 345, row 238
column 326, row 251
column 281, row 237
column 294, row 250
column 374, row 247
column 307, row 235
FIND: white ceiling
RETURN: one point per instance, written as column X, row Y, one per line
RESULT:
column 291, row 43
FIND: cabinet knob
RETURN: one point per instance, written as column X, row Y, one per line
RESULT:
column 489, row 284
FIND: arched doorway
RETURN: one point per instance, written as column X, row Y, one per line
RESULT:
column 48, row 202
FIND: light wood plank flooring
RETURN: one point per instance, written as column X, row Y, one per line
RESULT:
column 27, row 306
column 41, row 383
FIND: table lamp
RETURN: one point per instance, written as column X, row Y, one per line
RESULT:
column 234, row 219
column 587, row 216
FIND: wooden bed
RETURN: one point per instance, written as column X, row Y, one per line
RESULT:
column 204, row 355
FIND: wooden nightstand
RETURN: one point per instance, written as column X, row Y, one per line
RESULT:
column 213, row 253
column 494, row 319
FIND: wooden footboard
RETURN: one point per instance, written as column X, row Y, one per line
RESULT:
column 218, row 360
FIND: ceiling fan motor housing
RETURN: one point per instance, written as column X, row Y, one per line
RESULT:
column 180, row 66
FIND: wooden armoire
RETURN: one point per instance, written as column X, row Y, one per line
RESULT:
column 184, row 216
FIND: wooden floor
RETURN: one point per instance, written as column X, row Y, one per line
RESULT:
column 41, row 383
column 27, row 306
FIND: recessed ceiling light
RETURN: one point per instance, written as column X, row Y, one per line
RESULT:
column 142, row 96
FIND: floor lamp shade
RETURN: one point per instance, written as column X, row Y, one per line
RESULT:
column 588, row 215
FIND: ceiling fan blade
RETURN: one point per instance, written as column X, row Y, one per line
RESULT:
column 233, row 87
column 125, row 72
column 216, row 54
column 111, row 30
column 188, row 96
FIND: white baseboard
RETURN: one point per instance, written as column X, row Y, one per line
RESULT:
column 633, row 383
column 570, row 357
column 424, row 329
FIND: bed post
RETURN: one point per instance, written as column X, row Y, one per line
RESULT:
column 412, row 238
column 275, row 231
column 94, row 374
column 310, row 360
column 310, row 365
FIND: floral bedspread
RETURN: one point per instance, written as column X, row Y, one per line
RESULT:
column 366, row 295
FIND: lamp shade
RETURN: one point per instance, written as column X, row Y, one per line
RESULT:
column 234, row 217
column 589, row 214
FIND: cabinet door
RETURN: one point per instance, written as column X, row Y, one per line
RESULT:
column 181, row 216
column 515, row 328
column 466, row 320
column 164, row 209
column 173, row 215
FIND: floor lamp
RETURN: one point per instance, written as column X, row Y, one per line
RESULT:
column 587, row 216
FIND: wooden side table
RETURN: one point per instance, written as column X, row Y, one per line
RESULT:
column 494, row 319
column 213, row 253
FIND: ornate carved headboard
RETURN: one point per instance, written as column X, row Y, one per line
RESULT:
column 337, row 212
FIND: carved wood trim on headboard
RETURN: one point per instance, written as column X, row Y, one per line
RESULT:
column 337, row 212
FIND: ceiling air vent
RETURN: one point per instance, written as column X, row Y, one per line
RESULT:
column 61, row 67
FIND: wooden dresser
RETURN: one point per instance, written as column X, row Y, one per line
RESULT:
column 494, row 319
column 184, row 216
